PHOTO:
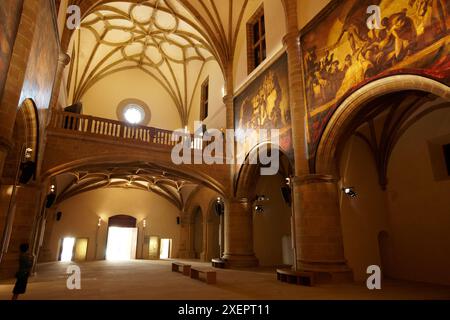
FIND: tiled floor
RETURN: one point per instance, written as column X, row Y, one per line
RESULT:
column 154, row 280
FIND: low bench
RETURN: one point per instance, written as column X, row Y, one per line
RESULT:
column 210, row 275
column 218, row 263
column 185, row 268
column 296, row 277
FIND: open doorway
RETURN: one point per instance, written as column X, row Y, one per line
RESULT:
column 67, row 249
column 73, row 249
column 121, row 243
column 166, row 248
column 122, row 238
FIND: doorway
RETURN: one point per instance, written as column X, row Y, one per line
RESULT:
column 121, row 244
column 166, row 248
column 122, row 238
column 67, row 249
column 73, row 249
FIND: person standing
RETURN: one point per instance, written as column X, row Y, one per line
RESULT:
column 25, row 264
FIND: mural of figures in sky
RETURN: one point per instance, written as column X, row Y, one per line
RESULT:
column 264, row 104
column 340, row 52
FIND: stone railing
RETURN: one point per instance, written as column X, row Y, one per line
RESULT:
column 95, row 126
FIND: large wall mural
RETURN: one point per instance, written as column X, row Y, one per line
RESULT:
column 10, row 13
column 264, row 104
column 341, row 54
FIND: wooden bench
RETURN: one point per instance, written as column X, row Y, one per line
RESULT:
column 296, row 277
column 210, row 275
column 218, row 263
column 185, row 268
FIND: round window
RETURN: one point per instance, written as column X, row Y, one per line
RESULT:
column 134, row 112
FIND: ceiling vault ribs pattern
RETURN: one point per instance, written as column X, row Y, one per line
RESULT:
column 400, row 112
column 154, row 38
column 169, row 40
column 172, row 188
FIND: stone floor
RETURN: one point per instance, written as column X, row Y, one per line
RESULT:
column 154, row 280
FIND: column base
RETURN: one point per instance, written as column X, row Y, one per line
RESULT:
column 240, row 261
column 327, row 272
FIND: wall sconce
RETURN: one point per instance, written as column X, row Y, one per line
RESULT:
column 99, row 224
column 350, row 192
column 259, row 209
column 28, row 152
column 144, row 223
column 257, row 206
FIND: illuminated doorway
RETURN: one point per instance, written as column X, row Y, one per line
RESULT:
column 121, row 243
column 166, row 245
column 122, row 238
column 67, row 249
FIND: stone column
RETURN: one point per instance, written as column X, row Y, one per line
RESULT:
column 46, row 255
column 318, row 230
column 63, row 61
column 27, row 206
column 239, row 234
column 186, row 237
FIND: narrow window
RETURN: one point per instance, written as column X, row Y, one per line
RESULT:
column 447, row 157
column 204, row 100
column 256, row 40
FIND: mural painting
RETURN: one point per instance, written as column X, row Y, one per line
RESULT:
column 264, row 104
column 341, row 54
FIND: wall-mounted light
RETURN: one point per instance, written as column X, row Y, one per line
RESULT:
column 350, row 191
column 259, row 209
column 28, row 152
column 144, row 223
column 99, row 224
column 52, row 188
column 261, row 198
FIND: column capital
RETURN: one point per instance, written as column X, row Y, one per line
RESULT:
column 63, row 58
column 291, row 37
column 227, row 99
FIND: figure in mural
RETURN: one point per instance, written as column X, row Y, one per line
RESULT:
column 265, row 103
column 340, row 52
column 407, row 27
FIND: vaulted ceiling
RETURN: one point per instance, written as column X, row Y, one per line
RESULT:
column 170, row 40
column 173, row 188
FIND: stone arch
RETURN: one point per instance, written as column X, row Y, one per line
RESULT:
column 119, row 158
column 344, row 116
column 198, row 232
column 25, row 137
column 248, row 173
column 214, row 230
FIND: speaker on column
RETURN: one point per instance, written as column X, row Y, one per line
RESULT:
column 58, row 215
column 219, row 208
column 178, row 220
column 286, row 192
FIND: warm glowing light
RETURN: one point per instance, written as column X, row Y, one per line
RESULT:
column 121, row 242
column 99, row 222
column 67, row 249
column 134, row 114
column 165, row 249
column 144, row 223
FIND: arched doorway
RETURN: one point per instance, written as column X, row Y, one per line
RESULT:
column 213, row 229
column 270, row 200
column 388, row 146
column 20, row 170
column 198, row 233
column 122, row 238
